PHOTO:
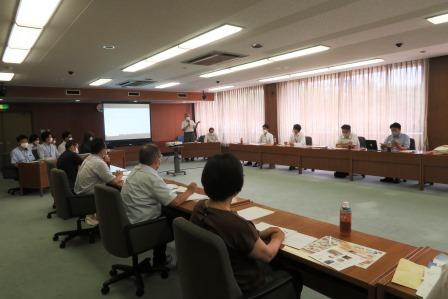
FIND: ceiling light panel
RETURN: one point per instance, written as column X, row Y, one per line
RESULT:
column 355, row 64
column 299, row 53
column 438, row 19
column 166, row 85
column 250, row 65
column 217, row 73
column 6, row 76
column 23, row 37
column 221, row 88
column 99, row 82
column 14, row 55
column 34, row 13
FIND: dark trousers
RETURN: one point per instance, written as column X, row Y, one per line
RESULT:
column 189, row 137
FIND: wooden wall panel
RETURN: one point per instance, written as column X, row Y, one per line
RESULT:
column 437, row 124
column 166, row 120
column 270, row 107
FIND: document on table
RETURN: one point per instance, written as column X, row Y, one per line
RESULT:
column 197, row 197
column 253, row 213
column 292, row 238
column 408, row 274
column 177, row 188
column 337, row 258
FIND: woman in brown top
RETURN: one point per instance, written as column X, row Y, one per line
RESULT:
column 223, row 179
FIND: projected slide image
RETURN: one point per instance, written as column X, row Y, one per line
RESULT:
column 127, row 121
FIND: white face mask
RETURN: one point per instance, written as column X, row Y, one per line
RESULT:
column 187, row 118
column 76, row 150
column 70, row 138
column 265, row 131
column 24, row 145
column 91, row 138
column 50, row 140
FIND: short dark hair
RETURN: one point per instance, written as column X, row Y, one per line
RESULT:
column 148, row 154
column 297, row 127
column 97, row 145
column 45, row 135
column 346, row 127
column 265, row 126
column 70, row 143
column 66, row 134
column 395, row 125
column 222, row 177
column 33, row 137
column 211, row 128
column 21, row 137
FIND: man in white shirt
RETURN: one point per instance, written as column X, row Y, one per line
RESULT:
column 145, row 192
column 66, row 136
column 297, row 138
column 211, row 136
column 266, row 138
column 47, row 150
column 188, row 127
column 347, row 139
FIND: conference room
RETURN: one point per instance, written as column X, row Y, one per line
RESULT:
column 224, row 149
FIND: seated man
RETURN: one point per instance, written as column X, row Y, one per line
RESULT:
column 266, row 138
column 22, row 153
column 297, row 138
column 66, row 136
column 94, row 170
column 395, row 142
column 249, row 250
column 211, row 136
column 347, row 139
column 70, row 161
column 145, row 192
column 47, row 150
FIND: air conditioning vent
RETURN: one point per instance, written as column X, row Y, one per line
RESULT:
column 133, row 94
column 181, row 95
column 72, row 92
column 135, row 83
column 214, row 58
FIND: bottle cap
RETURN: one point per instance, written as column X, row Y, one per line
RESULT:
column 346, row 205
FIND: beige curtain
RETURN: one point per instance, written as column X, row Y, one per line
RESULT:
column 234, row 114
column 368, row 99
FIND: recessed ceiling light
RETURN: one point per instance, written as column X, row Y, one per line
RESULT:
column 290, row 55
column 256, row 46
column 221, row 88
column 278, row 78
column 99, row 82
column 14, row 55
column 210, row 36
column 23, row 37
column 355, row 64
column 6, row 76
column 108, row 47
column 438, row 19
column 193, row 43
column 167, row 85
column 36, row 14
column 299, row 53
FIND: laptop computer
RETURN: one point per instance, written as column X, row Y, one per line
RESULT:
column 371, row 145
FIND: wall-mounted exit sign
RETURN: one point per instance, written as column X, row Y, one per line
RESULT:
column 4, row 107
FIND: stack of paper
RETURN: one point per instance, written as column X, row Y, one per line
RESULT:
column 337, row 258
column 435, row 277
column 197, row 197
column 178, row 189
column 253, row 213
column 408, row 274
column 292, row 238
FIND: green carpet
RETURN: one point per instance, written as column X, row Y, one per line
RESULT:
column 33, row 266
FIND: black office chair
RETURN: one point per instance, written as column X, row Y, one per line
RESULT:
column 412, row 144
column 69, row 206
column 123, row 239
column 201, row 138
column 308, row 140
column 10, row 172
column 205, row 270
column 362, row 142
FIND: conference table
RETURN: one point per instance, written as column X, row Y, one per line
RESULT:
column 422, row 167
column 353, row 282
column 199, row 149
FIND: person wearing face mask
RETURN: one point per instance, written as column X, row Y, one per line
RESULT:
column 211, row 136
column 47, row 150
column 66, row 136
column 347, row 139
column 266, row 138
column 188, row 127
column 69, row 161
column 85, row 147
column 22, row 153
column 395, row 142
column 145, row 192
column 297, row 138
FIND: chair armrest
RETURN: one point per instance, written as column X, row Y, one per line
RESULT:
column 147, row 234
column 282, row 286
column 81, row 205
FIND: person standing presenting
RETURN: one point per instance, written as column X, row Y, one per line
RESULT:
column 189, row 126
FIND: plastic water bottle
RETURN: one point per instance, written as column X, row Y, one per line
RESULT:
column 345, row 219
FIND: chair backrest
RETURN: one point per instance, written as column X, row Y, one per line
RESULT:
column 308, row 140
column 412, row 144
column 180, row 138
column 10, row 172
column 203, row 263
column 60, row 189
column 51, row 163
column 362, row 142
column 112, row 220
column 201, row 138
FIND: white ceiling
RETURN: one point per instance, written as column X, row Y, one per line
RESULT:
column 354, row 29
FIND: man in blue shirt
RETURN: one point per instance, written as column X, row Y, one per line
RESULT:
column 22, row 153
